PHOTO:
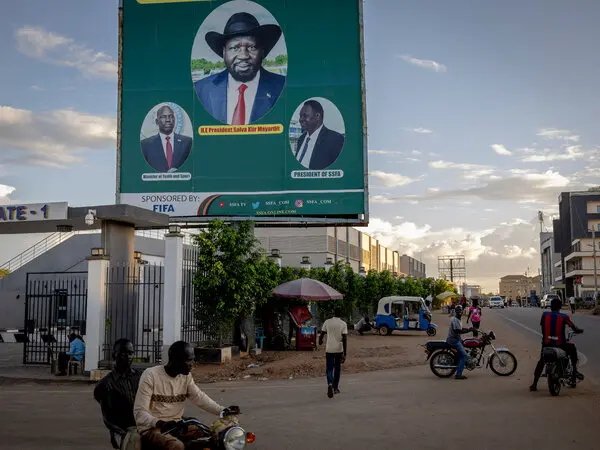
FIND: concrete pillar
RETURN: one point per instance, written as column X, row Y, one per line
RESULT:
column 172, row 289
column 96, row 311
column 118, row 242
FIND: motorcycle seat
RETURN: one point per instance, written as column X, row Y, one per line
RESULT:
column 436, row 345
column 552, row 354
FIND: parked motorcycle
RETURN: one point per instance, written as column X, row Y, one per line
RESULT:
column 558, row 368
column 443, row 358
column 225, row 434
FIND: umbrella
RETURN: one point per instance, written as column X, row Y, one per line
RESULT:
column 445, row 295
column 307, row 289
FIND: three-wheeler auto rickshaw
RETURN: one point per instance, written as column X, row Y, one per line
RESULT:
column 403, row 314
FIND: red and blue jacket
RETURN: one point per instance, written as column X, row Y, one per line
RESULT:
column 553, row 328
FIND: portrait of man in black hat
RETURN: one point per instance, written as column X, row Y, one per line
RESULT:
column 244, row 92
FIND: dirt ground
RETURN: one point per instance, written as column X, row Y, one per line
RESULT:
column 365, row 353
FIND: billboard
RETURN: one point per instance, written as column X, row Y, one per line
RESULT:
column 239, row 108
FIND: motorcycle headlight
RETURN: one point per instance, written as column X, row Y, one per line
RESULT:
column 234, row 439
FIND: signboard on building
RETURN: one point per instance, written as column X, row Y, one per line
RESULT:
column 243, row 109
column 33, row 212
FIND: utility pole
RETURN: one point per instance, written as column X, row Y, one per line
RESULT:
column 595, row 268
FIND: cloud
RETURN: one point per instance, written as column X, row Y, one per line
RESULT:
column 572, row 152
column 470, row 171
column 52, row 138
column 391, row 179
column 507, row 248
column 385, row 152
column 501, row 150
column 554, row 133
column 420, row 130
column 424, row 63
column 381, row 199
column 53, row 48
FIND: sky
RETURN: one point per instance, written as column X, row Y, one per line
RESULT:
column 479, row 114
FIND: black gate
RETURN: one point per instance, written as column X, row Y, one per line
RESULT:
column 55, row 304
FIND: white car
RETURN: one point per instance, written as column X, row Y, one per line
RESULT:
column 496, row 302
column 546, row 299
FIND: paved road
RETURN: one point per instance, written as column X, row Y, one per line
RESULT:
column 406, row 409
column 527, row 322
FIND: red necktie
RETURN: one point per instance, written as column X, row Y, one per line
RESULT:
column 239, row 113
column 169, row 151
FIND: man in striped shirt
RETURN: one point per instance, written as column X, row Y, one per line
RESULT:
column 553, row 325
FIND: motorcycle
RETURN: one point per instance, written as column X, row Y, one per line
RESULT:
column 225, row 434
column 558, row 368
column 443, row 358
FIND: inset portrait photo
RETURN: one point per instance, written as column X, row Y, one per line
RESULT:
column 317, row 133
column 166, row 137
column 239, row 62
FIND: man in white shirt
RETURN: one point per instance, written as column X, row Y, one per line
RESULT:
column 572, row 303
column 160, row 400
column 335, row 350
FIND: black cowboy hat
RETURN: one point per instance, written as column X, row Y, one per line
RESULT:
column 244, row 24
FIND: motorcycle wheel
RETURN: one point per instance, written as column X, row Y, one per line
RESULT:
column 445, row 358
column 502, row 370
column 554, row 384
column 431, row 331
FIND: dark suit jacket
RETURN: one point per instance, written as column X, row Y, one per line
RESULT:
column 154, row 153
column 326, row 150
column 212, row 92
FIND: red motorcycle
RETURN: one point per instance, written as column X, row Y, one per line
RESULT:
column 443, row 358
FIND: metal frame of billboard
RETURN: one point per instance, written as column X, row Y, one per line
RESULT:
column 264, row 220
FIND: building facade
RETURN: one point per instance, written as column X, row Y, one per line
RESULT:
column 548, row 259
column 579, row 214
column 513, row 286
column 412, row 267
column 333, row 244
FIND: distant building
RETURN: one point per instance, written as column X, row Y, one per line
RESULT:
column 513, row 286
column 412, row 267
column 549, row 258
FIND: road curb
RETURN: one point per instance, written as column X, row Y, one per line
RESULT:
column 12, row 380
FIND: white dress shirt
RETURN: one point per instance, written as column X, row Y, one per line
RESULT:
column 163, row 138
column 311, row 146
column 233, row 94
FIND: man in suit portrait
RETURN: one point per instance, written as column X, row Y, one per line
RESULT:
column 244, row 92
column 166, row 151
column 318, row 147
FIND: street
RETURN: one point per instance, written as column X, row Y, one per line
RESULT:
column 405, row 408
column 526, row 321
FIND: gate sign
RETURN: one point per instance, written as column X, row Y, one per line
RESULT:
column 243, row 108
column 33, row 212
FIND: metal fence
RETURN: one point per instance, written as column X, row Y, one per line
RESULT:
column 193, row 329
column 134, row 302
column 55, row 305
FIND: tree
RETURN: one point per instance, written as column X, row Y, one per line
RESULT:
column 3, row 273
column 233, row 276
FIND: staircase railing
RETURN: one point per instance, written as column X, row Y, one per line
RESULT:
column 57, row 238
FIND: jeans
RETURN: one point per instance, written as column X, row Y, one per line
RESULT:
column 462, row 357
column 334, row 367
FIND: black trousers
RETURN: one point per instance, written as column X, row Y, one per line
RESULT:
column 334, row 368
column 571, row 351
column 63, row 362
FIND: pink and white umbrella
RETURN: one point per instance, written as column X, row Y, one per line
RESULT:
column 307, row 289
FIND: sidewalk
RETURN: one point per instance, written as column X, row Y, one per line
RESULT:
column 13, row 371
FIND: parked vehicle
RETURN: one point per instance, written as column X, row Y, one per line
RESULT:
column 496, row 302
column 558, row 368
column 443, row 358
column 403, row 314
column 546, row 299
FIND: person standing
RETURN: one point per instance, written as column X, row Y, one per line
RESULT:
column 572, row 303
column 474, row 316
column 335, row 350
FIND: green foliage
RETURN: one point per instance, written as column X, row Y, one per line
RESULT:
column 234, row 277
column 4, row 272
column 206, row 66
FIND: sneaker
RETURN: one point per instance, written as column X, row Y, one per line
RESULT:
column 460, row 377
column 532, row 388
column 336, row 391
column 330, row 391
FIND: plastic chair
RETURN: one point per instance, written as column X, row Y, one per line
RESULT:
column 260, row 338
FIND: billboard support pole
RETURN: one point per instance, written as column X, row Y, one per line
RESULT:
column 363, row 89
column 119, row 103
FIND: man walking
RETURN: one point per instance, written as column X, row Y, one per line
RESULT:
column 572, row 303
column 335, row 350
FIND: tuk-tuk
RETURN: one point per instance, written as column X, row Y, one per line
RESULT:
column 403, row 313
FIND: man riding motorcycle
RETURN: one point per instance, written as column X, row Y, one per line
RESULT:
column 159, row 403
column 553, row 325
column 455, row 340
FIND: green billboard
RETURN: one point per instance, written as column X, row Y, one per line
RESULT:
column 243, row 109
